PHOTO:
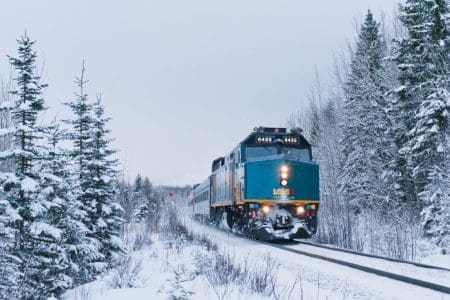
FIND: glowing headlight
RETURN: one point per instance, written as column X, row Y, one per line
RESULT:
column 266, row 209
column 284, row 175
column 284, row 168
column 284, row 182
column 300, row 210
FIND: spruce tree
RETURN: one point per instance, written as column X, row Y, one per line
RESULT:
column 125, row 198
column 150, row 203
column 9, row 267
column 53, row 191
column 423, row 60
column 61, row 185
column 10, row 273
column 36, row 244
column 365, row 147
column 140, row 201
column 91, row 262
column 104, row 216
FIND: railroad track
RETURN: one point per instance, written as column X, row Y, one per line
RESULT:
column 391, row 275
column 372, row 256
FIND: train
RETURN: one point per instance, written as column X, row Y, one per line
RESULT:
column 267, row 187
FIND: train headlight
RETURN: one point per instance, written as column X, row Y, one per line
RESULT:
column 284, row 182
column 284, row 169
column 300, row 210
column 266, row 209
column 284, row 175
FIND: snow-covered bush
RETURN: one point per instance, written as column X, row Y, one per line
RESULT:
column 262, row 279
column 142, row 239
column 394, row 234
column 83, row 293
column 222, row 269
column 178, row 291
column 127, row 273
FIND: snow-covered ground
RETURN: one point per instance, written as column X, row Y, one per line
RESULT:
column 169, row 270
column 321, row 279
column 437, row 259
column 232, row 267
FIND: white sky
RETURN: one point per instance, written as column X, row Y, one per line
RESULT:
column 184, row 81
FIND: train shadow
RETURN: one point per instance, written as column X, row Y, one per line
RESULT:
column 283, row 242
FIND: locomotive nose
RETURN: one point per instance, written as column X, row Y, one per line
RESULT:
column 281, row 179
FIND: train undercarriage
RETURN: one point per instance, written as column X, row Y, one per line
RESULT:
column 277, row 222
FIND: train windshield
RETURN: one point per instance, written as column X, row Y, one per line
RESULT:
column 253, row 153
column 296, row 154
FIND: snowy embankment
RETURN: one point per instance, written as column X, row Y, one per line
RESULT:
column 200, row 262
column 162, row 270
column 320, row 279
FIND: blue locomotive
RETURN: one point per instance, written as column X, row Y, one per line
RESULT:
column 267, row 187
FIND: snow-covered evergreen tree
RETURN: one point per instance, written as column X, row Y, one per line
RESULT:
column 53, row 191
column 91, row 262
column 36, row 247
column 125, row 198
column 9, row 267
column 61, row 185
column 104, row 215
column 10, row 272
column 6, row 104
column 149, row 204
column 365, row 146
column 140, row 201
column 423, row 98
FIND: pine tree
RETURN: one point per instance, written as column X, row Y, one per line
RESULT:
column 365, row 144
column 10, row 273
column 125, row 198
column 423, row 60
column 91, row 261
column 33, row 242
column 61, row 185
column 9, row 267
column 55, row 277
column 104, row 216
column 150, row 203
column 140, row 202
column 138, row 183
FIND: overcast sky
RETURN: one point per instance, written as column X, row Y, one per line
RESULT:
column 184, row 81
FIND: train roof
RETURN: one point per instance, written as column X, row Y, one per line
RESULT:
column 267, row 136
column 272, row 135
column 201, row 187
